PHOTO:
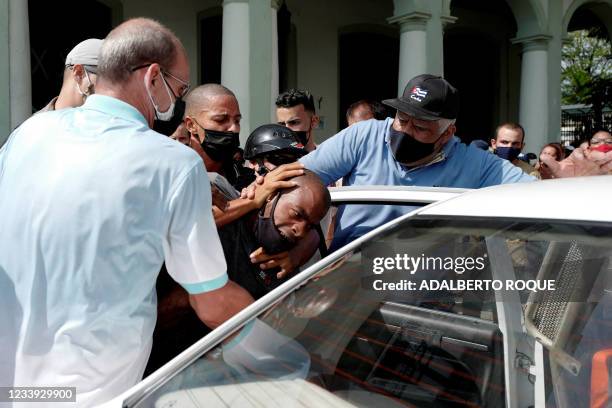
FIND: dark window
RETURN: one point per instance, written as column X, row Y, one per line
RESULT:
column 55, row 28
column 210, row 49
column 368, row 69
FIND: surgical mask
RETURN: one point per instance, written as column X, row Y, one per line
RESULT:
column 220, row 146
column 166, row 115
column 507, row 153
column 168, row 127
column 90, row 87
column 268, row 235
column 173, row 115
column 604, row 148
column 407, row 149
column 302, row 136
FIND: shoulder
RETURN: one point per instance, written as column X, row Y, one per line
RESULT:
column 372, row 130
column 223, row 185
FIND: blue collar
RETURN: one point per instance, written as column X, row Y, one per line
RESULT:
column 115, row 107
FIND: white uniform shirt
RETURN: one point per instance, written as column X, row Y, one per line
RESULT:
column 91, row 203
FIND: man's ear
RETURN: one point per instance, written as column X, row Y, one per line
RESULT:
column 448, row 133
column 152, row 73
column 314, row 122
column 190, row 125
column 78, row 72
column 493, row 143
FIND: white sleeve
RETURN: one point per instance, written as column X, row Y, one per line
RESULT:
column 193, row 252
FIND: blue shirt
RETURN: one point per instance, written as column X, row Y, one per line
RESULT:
column 92, row 202
column 361, row 154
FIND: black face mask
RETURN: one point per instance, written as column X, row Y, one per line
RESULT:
column 407, row 149
column 268, row 235
column 302, row 136
column 220, row 146
column 167, row 127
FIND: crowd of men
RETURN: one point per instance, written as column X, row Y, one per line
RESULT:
column 97, row 198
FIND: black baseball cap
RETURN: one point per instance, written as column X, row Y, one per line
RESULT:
column 427, row 97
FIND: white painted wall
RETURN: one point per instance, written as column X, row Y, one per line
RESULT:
column 318, row 23
column 181, row 16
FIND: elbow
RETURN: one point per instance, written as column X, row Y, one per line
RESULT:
column 215, row 307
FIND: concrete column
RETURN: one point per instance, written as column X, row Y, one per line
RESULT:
column 235, row 54
column 413, row 46
column 250, row 25
column 15, row 73
column 534, row 106
column 274, row 83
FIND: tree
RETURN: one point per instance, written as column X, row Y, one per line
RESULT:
column 586, row 72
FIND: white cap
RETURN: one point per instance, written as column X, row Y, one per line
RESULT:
column 85, row 53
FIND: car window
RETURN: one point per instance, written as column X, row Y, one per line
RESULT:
column 338, row 340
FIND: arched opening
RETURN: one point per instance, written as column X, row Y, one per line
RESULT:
column 483, row 65
column 586, row 73
column 66, row 29
column 368, row 66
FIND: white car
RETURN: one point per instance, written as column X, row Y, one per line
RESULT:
column 493, row 297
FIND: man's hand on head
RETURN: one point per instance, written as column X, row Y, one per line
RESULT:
column 580, row 163
column 276, row 180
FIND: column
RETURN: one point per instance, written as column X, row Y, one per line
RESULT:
column 235, row 54
column 533, row 108
column 15, row 73
column 253, row 76
column 274, row 85
column 413, row 46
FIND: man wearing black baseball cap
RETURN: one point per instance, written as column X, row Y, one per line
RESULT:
column 416, row 148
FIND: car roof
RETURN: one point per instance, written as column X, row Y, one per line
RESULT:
column 576, row 198
column 392, row 194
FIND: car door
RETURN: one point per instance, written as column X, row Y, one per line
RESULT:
column 334, row 336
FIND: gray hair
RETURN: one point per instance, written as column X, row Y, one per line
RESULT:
column 135, row 43
column 444, row 124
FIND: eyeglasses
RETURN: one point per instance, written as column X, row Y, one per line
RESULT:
column 186, row 85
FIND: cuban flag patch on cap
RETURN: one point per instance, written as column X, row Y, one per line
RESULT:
column 418, row 94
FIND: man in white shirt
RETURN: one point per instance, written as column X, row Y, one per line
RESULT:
column 92, row 201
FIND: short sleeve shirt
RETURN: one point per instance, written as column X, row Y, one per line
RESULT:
column 361, row 155
column 92, row 202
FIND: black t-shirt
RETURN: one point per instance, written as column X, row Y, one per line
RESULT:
column 238, row 242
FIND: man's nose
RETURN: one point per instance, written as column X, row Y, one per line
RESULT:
column 234, row 128
column 300, row 229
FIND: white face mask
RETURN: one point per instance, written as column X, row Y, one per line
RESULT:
column 88, row 90
column 167, row 115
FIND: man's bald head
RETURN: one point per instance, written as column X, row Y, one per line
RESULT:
column 135, row 43
column 201, row 97
column 312, row 182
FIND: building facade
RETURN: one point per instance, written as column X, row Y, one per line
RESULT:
column 504, row 56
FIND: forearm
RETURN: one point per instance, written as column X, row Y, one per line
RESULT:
column 216, row 306
column 234, row 210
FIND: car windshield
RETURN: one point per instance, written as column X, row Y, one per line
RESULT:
column 390, row 324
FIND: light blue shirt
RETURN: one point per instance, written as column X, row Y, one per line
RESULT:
column 91, row 203
column 361, row 154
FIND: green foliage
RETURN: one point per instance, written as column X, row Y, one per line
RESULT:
column 586, row 70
